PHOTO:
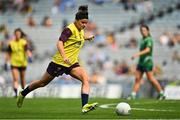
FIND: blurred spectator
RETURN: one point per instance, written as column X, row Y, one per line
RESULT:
column 31, row 22
column 164, row 38
column 54, row 9
column 97, row 78
column 98, row 2
column 91, row 28
column 176, row 38
column 149, row 7
column 121, row 67
column 96, row 59
column 64, row 23
column 26, row 8
column 100, row 39
column 22, row 6
column 66, row 4
column 108, row 64
column 176, row 56
column 132, row 43
column 5, row 38
column 173, row 40
column 0, row 45
column 128, row 4
column 111, row 40
column 2, row 7
column 47, row 21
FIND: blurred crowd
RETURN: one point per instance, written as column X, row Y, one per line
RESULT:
column 21, row 6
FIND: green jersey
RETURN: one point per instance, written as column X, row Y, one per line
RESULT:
column 146, row 59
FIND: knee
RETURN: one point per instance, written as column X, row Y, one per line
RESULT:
column 152, row 79
column 85, row 80
column 137, row 80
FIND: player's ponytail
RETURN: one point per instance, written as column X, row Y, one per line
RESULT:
column 83, row 8
column 82, row 12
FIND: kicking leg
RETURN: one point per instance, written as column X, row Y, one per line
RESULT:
column 34, row 85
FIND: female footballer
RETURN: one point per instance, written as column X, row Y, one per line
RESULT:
column 66, row 60
column 18, row 54
column 145, row 63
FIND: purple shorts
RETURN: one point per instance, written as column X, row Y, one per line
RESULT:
column 55, row 70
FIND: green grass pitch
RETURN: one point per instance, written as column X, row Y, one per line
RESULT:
column 56, row 108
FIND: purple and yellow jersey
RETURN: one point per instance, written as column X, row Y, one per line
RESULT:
column 18, row 52
column 73, row 40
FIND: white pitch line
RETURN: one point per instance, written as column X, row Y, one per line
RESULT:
column 106, row 106
column 143, row 109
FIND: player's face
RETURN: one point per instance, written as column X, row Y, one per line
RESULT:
column 144, row 31
column 18, row 34
column 81, row 24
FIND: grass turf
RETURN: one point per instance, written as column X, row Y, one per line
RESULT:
column 54, row 108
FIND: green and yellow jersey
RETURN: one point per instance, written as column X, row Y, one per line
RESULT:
column 17, row 49
column 146, row 59
column 73, row 40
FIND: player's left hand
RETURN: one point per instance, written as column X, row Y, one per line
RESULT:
column 134, row 56
column 30, row 60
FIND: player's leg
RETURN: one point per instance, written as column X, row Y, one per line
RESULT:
column 34, row 85
column 136, row 86
column 80, row 74
column 38, row 83
column 15, row 75
column 156, row 84
column 22, row 78
column 138, row 78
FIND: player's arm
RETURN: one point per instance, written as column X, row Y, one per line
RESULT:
column 60, row 44
column 60, row 47
column 143, row 52
column 8, row 54
column 28, row 53
column 7, row 58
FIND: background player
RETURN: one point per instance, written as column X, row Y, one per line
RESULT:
column 18, row 54
column 145, row 63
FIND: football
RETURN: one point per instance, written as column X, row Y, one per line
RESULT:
column 123, row 108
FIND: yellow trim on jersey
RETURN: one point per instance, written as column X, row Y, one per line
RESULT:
column 18, row 53
column 71, row 47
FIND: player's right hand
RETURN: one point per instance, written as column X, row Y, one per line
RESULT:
column 6, row 66
column 67, row 61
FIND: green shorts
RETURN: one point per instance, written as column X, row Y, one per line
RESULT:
column 144, row 68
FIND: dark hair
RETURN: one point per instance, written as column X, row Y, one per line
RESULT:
column 83, row 8
column 145, row 26
column 82, row 12
column 20, row 30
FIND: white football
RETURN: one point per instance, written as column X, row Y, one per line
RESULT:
column 123, row 108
